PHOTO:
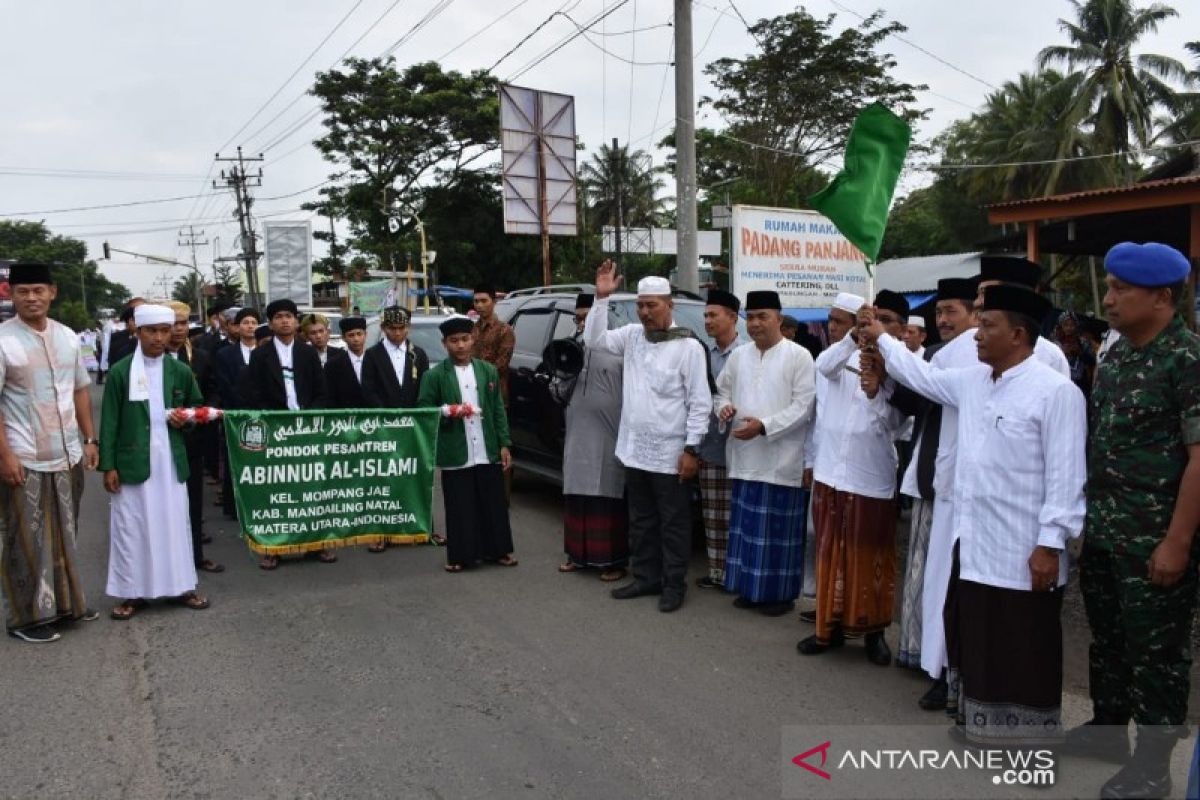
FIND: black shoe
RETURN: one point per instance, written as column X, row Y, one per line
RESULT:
column 632, row 590
column 741, row 602
column 1147, row 775
column 708, row 583
column 1101, row 737
column 808, row 616
column 776, row 609
column 670, row 601
column 878, row 652
column 38, row 634
column 811, row 647
column 935, row 698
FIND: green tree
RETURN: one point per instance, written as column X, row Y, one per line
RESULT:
column 617, row 180
column 1118, row 90
column 75, row 276
column 226, row 283
column 1183, row 122
column 390, row 134
column 787, row 108
column 72, row 314
column 184, row 291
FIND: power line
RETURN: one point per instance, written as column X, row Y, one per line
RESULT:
column 86, row 174
column 632, row 59
column 546, row 54
column 295, row 72
column 481, row 31
column 96, row 208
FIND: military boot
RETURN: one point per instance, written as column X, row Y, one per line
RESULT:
column 1104, row 737
column 1148, row 773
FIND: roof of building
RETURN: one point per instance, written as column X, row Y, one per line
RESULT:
column 921, row 273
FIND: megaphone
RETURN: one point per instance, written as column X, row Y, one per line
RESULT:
column 563, row 358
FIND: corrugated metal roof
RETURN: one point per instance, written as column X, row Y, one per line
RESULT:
column 921, row 273
column 1135, row 187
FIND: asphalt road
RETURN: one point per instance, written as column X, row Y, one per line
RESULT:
column 383, row 676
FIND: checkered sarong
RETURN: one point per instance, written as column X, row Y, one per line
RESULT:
column 715, row 494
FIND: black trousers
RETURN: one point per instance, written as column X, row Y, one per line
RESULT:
column 660, row 528
column 195, row 490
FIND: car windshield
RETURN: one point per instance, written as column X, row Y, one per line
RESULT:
column 687, row 315
column 429, row 339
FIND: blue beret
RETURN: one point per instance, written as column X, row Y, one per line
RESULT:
column 1149, row 265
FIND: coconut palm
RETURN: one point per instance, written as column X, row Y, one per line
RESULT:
column 1182, row 124
column 615, row 172
column 1118, row 91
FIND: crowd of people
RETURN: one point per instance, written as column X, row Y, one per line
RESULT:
column 1004, row 445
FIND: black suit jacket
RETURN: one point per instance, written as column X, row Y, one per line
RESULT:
column 380, row 387
column 228, row 367
column 120, row 344
column 209, row 341
column 261, row 384
column 927, row 427
column 345, row 389
column 202, row 369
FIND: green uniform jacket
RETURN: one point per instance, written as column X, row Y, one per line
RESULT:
column 439, row 386
column 125, row 425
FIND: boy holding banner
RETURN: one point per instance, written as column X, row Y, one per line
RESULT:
column 472, row 451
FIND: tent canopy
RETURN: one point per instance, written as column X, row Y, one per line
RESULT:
column 921, row 273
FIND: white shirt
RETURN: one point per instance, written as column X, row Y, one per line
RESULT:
column 476, row 446
column 323, row 355
column 246, row 351
column 356, row 362
column 857, row 451
column 777, row 387
column 906, row 432
column 396, row 353
column 1021, row 467
column 665, row 396
column 289, row 376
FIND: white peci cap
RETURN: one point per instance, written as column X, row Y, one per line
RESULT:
column 654, row 285
column 917, row 320
column 147, row 314
column 850, row 303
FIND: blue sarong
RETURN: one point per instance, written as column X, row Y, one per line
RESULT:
column 765, row 559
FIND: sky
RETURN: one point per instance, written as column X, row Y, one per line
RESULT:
column 127, row 102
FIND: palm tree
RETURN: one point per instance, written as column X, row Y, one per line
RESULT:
column 1183, row 123
column 1118, row 91
column 615, row 173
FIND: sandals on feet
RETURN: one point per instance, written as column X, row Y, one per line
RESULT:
column 378, row 547
column 127, row 609
column 453, row 568
column 437, row 539
column 268, row 562
column 327, row 556
column 507, row 561
column 610, row 575
column 568, row 567
column 190, row 600
column 208, row 565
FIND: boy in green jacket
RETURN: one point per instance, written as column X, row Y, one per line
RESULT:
column 472, row 451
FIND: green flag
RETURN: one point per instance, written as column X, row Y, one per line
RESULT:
column 858, row 199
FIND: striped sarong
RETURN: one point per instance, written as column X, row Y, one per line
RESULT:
column 596, row 530
column 714, row 510
column 38, row 568
column 765, row 560
column 919, row 524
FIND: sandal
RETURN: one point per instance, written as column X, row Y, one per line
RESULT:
column 269, row 562
column 507, row 561
column 327, row 556
column 208, row 565
column 453, row 568
column 610, row 575
column 191, row 600
column 127, row 609
column 378, row 547
column 437, row 539
column 568, row 567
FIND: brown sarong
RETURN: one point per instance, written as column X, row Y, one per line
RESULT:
column 856, row 562
column 37, row 527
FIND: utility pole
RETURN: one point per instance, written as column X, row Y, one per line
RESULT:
column 194, row 241
column 616, row 177
column 687, row 260
column 236, row 178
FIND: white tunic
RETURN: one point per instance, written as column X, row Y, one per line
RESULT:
column 665, row 399
column 284, row 352
column 150, row 534
column 856, row 450
column 1020, row 472
column 476, row 446
column 778, row 387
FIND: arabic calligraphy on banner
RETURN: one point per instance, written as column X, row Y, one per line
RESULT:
column 308, row 480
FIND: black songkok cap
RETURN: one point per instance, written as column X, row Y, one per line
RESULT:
column 217, row 308
column 760, row 301
column 29, row 272
column 584, row 300
column 720, row 297
column 262, row 332
column 892, row 301
column 246, row 312
column 395, row 315
column 1010, row 269
column 957, row 289
column 275, row 306
column 346, row 324
column 456, row 325
column 1017, row 299
column 126, row 315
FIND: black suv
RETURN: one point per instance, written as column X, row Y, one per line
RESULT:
column 537, row 422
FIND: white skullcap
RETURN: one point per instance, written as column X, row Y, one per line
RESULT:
column 147, row 314
column 654, row 285
column 230, row 314
column 917, row 320
column 850, row 303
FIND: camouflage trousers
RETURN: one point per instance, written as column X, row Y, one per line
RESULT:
column 1140, row 660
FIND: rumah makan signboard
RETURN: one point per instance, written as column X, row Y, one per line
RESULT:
column 798, row 254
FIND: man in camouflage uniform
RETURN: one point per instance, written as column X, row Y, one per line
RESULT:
column 1138, row 571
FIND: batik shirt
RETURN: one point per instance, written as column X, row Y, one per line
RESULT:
column 1145, row 413
column 494, row 343
column 39, row 373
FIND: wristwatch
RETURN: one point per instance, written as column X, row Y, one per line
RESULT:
column 86, row 442
column 691, row 451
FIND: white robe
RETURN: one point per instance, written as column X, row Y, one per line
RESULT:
column 150, row 534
